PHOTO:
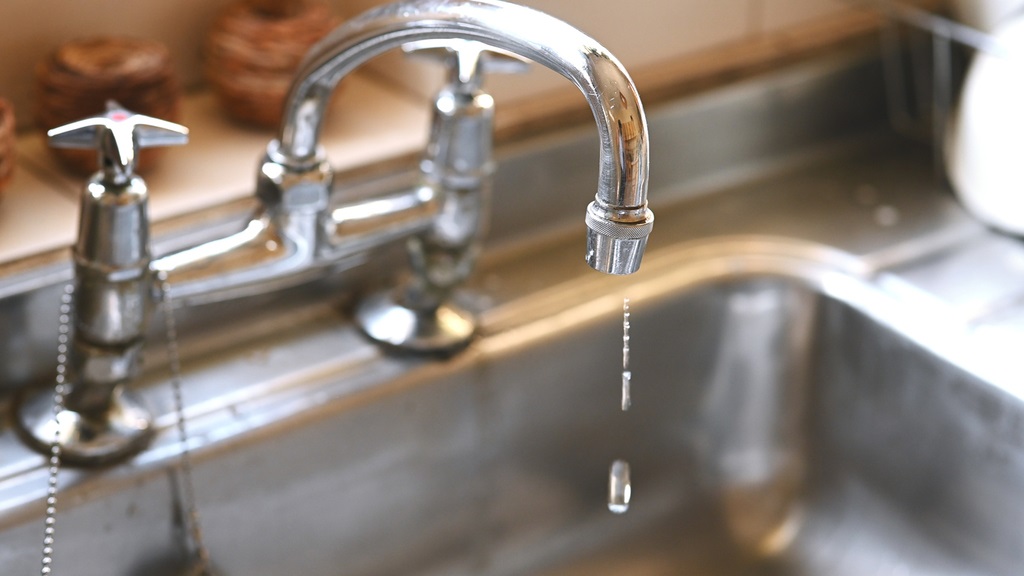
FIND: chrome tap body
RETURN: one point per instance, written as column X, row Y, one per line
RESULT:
column 458, row 159
column 101, row 420
column 298, row 233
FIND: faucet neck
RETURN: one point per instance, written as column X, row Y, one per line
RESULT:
column 522, row 31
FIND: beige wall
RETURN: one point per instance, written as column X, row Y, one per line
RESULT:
column 646, row 31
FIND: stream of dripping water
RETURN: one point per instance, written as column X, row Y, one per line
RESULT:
column 627, row 376
column 619, row 485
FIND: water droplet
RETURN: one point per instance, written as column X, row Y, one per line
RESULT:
column 627, row 401
column 619, row 488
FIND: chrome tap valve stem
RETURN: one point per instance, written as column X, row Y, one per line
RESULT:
column 103, row 420
column 458, row 163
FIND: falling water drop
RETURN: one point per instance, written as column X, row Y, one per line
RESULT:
column 627, row 401
column 619, row 487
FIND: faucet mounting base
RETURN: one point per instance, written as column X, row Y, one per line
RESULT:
column 442, row 330
column 86, row 440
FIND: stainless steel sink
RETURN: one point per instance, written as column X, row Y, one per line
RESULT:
column 780, row 425
column 820, row 386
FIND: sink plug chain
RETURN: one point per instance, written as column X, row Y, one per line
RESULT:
column 191, row 511
column 60, row 391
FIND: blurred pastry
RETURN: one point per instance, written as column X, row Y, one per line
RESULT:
column 253, row 51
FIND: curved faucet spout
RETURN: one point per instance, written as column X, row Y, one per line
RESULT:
column 618, row 219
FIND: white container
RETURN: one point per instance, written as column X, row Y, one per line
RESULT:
column 985, row 15
column 985, row 146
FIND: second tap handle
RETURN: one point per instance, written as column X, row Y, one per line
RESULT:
column 468, row 60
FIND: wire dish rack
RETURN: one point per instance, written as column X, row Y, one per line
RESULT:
column 925, row 56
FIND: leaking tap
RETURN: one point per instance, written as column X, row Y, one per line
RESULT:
column 618, row 219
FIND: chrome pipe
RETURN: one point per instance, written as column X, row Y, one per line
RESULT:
column 618, row 219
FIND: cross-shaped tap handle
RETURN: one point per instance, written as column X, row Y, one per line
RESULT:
column 469, row 60
column 118, row 135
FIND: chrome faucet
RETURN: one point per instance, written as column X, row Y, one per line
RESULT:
column 298, row 233
column 618, row 220
column 102, row 420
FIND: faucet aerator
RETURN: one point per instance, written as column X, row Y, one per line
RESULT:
column 618, row 256
column 614, row 245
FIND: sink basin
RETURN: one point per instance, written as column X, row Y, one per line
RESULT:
column 810, row 395
column 777, row 428
column 782, row 423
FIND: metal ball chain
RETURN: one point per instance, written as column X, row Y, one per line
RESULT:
column 56, row 448
column 202, row 566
